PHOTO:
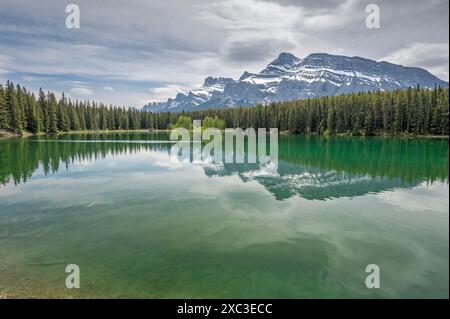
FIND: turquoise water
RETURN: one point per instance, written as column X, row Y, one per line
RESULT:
column 140, row 226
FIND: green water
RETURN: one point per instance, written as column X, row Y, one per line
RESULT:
column 139, row 225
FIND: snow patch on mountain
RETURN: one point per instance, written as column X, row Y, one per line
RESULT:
column 290, row 78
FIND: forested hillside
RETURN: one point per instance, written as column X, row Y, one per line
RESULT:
column 415, row 110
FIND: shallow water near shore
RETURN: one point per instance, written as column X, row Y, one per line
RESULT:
column 140, row 226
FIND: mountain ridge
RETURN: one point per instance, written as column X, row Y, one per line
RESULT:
column 291, row 78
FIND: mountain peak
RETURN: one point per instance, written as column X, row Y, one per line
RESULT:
column 210, row 81
column 286, row 62
column 290, row 78
column 285, row 58
column 245, row 75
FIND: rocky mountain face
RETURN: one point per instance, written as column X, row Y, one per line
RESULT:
column 291, row 78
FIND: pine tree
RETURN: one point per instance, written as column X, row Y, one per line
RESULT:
column 73, row 118
column 21, row 102
column 33, row 115
column 42, row 101
column 125, row 123
column 399, row 112
column 4, row 122
column 331, row 121
column 369, row 123
column 63, row 116
column 414, row 126
column 14, row 109
column 387, row 112
column 52, row 113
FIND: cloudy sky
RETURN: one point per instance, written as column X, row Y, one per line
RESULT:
column 134, row 51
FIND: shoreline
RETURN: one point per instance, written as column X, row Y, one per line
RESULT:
column 4, row 135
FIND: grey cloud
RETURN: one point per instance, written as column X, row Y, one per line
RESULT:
column 178, row 42
column 256, row 50
column 310, row 4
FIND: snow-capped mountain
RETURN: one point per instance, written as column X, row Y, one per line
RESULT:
column 290, row 78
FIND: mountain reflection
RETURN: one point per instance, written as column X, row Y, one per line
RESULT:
column 311, row 167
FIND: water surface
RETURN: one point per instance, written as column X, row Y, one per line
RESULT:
column 139, row 225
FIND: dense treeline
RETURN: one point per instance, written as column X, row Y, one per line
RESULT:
column 415, row 110
column 20, row 111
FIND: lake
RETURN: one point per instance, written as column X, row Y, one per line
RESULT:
column 139, row 225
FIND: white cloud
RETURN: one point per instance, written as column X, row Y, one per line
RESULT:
column 431, row 56
column 82, row 91
column 4, row 62
column 31, row 78
column 108, row 89
column 4, row 59
column 165, row 92
column 416, row 199
column 181, row 42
